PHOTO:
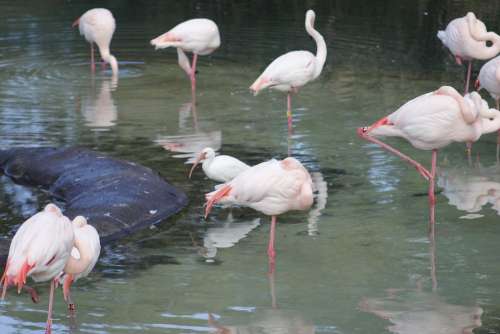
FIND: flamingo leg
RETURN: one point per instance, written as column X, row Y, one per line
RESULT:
column 48, row 329
column 420, row 169
column 432, row 196
column 468, row 149
column 270, row 248
column 92, row 63
column 432, row 252
column 467, row 80
column 192, row 76
column 289, row 111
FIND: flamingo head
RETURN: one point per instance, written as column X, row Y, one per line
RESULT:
column 79, row 221
column 364, row 131
column 477, row 85
column 260, row 84
column 310, row 17
column 53, row 208
column 206, row 153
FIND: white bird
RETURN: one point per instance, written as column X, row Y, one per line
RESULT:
column 489, row 79
column 466, row 38
column 221, row 168
column 199, row 36
column 41, row 249
column 98, row 26
column 86, row 235
column 294, row 69
column 272, row 187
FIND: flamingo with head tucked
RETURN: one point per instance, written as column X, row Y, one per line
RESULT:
column 98, row 26
column 199, row 36
column 466, row 38
column 41, row 249
column 294, row 69
column 432, row 121
column 86, row 237
column 272, row 187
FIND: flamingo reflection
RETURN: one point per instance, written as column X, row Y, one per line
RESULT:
column 99, row 110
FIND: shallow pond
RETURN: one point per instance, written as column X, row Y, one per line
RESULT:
column 360, row 261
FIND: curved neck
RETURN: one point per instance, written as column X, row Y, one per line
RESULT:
column 320, row 47
column 479, row 33
column 109, row 58
column 76, row 266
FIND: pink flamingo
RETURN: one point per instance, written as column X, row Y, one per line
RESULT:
column 89, row 239
column 294, row 69
column 272, row 187
column 221, row 168
column 41, row 249
column 466, row 38
column 432, row 121
column 489, row 79
column 199, row 36
column 98, row 26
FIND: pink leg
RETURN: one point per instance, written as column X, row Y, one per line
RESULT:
column 103, row 65
column 432, row 196
column 432, row 252
column 48, row 329
column 289, row 111
column 458, row 60
column 193, row 75
column 421, row 169
column 467, row 80
column 32, row 292
column 270, row 248
column 468, row 149
column 92, row 63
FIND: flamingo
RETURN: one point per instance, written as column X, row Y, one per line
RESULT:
column 489, row 79
column 41, row 249
column 221, row 168
column 294, row 69
column 466, row 38
column 88, row 238
column 98, row 26
column 432, row 121
column 272, row 187
column 199, row 36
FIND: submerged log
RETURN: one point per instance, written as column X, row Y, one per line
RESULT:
column 117, row 197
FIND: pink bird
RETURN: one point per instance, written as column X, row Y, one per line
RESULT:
column 41, row 249
column 432, row 121
column 294, row 69
column 466, row 38
column 272, row 187
column 88, row 239
column 98, row 26
column 199, row 36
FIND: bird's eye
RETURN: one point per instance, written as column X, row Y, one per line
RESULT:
column 491, row 119
column 365, row 128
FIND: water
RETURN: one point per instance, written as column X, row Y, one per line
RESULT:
column 359, row 262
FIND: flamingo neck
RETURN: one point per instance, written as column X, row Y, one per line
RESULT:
column 76, row 266
column 479, row 33
column 109, row 58
column 320, row 47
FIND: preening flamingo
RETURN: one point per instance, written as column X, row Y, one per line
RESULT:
column 87, row 238
column 221, row 168
column 294, row 69
column 98, row 26
column 41, row 249
column 432, row 121
column 489, row 79
column 466, row 38
column 199, row 36
column 272, row 187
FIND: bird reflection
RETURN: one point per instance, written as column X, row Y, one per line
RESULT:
column 99, row 110
column 470, row 188
column 187, row 146
column 412, row 312
column 320, row 187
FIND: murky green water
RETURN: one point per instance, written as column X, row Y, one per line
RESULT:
column 359, row 262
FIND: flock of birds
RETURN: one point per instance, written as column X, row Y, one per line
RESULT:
column 50, row 247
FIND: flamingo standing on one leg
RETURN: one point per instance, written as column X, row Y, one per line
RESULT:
column 98, row 26
column 41, row 249
column 294, row 69
column 466, row 38
column 272, row 187
column 86, row 237
column 489, row 79
column 199, row 36
column 221, row 168
column 432, row 121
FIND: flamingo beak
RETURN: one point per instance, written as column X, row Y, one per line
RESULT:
column 200, row 157
column 257, row 85
column 77, row 22
column 477, row 85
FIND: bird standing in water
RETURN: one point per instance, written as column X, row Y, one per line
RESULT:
column 466, row 38
column 294, row 69
column 98, row 26
column 272, row 187
column 199, row 36
column 220, row 168
column 432, row 121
